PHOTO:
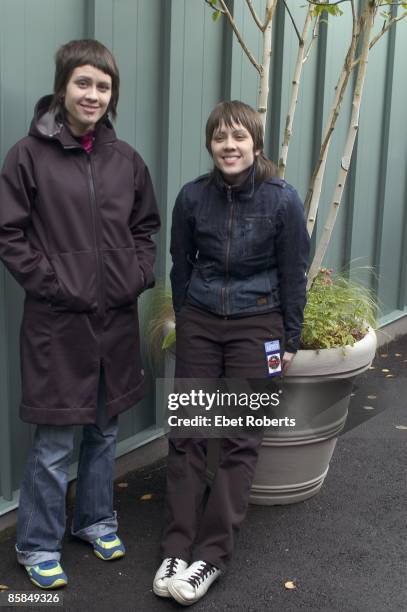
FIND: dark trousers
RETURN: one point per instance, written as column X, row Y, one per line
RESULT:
column 209, row 347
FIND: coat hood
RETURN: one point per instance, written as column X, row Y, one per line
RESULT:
column 48, row 124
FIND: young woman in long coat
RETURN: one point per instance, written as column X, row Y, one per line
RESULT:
column 77, row 211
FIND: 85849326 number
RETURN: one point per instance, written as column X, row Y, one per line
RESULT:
column 30, row 598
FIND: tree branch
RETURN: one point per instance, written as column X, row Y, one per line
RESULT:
column 353, row 12
column 254, row 14
column 293, row 22
column 271, row 7
column 282, row 162
column 266, row 61
column 313, row 38
column 249, row 54
column 322, row 4
column 214, row 8
column 367, row 25
column 376, row 38
column 315, row 187
column 387, row 27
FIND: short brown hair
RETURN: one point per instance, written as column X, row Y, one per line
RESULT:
column 79, row 53
column 234, row 112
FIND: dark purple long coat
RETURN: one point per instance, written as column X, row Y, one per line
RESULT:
column 75, row 232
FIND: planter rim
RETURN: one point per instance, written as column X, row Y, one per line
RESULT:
column 351, row 360
column 334, row 362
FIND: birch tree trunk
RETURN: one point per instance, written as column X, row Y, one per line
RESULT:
column 314, row 190
column 282, row 163
column 265, row 64
column 367, row 24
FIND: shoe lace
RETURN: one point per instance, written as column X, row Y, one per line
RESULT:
column 172, row 566
column 201, row 573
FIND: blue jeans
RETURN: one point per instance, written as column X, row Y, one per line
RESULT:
column 41, row 514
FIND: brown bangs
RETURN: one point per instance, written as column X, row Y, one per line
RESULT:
column 230, row 113
column 236, row 112
column 80, row 53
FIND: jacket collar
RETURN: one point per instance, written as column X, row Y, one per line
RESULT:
column 244, row 191
column 49, row 125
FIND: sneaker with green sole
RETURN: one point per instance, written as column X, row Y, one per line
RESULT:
column 47, row 575
column 109, row 547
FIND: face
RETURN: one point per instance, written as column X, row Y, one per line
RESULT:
column 233, row 151
column 87, row 98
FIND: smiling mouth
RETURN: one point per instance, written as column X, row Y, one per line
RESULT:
column 89, row 108
column 230, row 158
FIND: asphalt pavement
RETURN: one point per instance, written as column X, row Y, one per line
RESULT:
column 343, row 550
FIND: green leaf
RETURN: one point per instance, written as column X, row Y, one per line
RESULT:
column 216, row 15
column 331, row 9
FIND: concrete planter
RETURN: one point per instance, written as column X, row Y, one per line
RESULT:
column 294, row 462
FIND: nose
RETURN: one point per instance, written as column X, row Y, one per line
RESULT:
column 229, row 142
column 91, row 92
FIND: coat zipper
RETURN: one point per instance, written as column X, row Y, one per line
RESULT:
column 96, row 236
column 229, row 240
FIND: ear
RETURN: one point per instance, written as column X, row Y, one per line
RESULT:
column 257, row 153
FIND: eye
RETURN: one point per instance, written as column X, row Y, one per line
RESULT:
column 104, row 87
column 82, row 83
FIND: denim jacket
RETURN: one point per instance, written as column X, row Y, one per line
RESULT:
column 241, row 250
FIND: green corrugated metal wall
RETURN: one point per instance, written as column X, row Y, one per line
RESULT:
column 175, row 65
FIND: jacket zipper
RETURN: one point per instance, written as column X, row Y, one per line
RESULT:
column 229, row 240
column 96, row 236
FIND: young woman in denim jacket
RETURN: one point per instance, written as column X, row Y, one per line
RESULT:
column 240, row 252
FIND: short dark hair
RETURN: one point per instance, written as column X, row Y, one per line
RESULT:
column 79, row 53
column 234, row 112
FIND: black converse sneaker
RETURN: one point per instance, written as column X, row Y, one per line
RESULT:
column 192, row 584
column 169, row 568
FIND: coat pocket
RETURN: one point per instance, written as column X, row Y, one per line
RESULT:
column 123, row 276
column 76, row 275
column 258, row 235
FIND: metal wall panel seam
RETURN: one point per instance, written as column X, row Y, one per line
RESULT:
column 319, row 97
column 90, row 18
column 402, row 297
column 163, row 242
column 236, row 54
column 103, row 26
column 170, row 36
column 167, row 33
column 227, row 45
column 349, row 193
column 275, row 117
column 5, row 433
column 170, row 91
column 384, row 153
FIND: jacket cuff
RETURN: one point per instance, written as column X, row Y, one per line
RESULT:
column 148, row 277
column 292, row 345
